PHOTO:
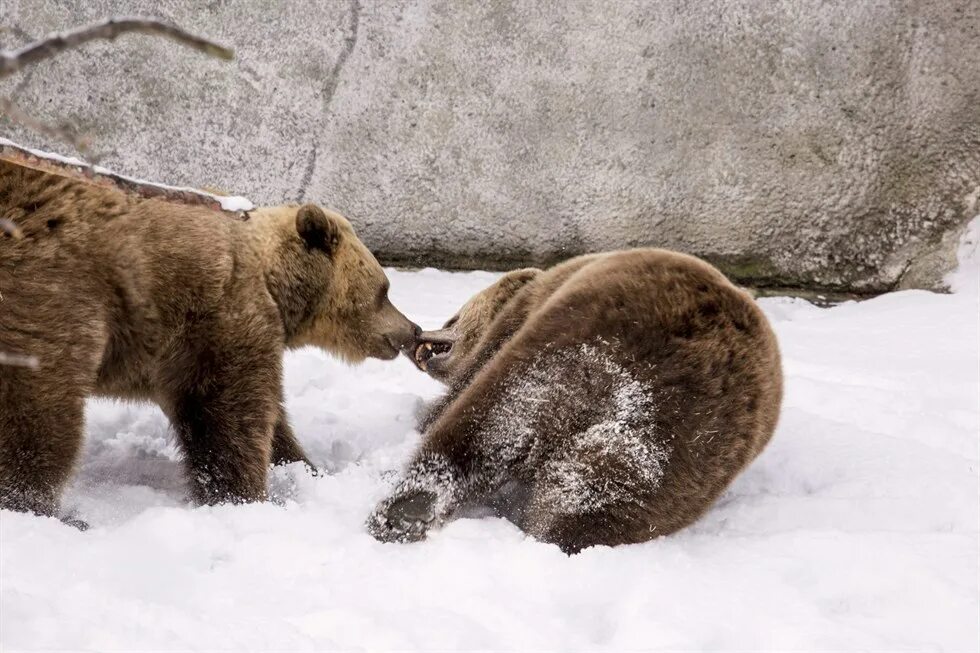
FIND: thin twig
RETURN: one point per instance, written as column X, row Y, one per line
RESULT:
column 10, row 228
column 54, row 44
column 18, row 360
column 80, row 142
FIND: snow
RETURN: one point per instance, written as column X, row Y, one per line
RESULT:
column 966, row 277
column 231, row 203
column 856, row 529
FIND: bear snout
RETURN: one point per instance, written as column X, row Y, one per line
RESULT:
column 403, row 336
column 397, row 332
column 402, row 341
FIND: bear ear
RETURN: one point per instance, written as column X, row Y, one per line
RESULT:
column 516, row 279
column 317, row 229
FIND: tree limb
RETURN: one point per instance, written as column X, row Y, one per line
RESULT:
column 52, row 45
column 18, row 360
column 10, row 228
column 80, row 142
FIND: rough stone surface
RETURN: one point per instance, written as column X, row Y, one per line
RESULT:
column 800, row 144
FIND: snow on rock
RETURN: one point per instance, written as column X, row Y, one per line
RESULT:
column 234, row 203
column 231, row 203
column 857, row 528
column 52, row 156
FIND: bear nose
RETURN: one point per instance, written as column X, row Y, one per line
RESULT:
column 406, row 339
column 409, row 344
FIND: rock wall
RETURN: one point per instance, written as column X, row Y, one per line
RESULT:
column 831, row 146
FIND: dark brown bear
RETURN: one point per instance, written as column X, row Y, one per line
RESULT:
column 121, row 296
column 608, row 400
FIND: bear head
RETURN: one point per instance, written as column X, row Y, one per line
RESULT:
column 442, row 353
column 331, row 291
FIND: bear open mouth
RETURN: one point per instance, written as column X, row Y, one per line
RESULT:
column 426, row 351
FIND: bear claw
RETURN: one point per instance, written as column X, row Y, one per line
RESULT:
column 75, row 522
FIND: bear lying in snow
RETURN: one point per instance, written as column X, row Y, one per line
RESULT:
column 122, row 296
column 608, row 400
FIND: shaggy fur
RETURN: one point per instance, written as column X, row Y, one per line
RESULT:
column 608, row 400
column 142, row 299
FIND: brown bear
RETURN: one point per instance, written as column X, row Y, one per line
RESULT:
column 608, row 400
column 117, row 295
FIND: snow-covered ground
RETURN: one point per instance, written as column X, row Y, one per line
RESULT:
column 856, row 529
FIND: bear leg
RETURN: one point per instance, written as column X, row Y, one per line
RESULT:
column 285, row 448
column 574, row 532
column 41, row 434
column 430, row 491
column 597, row 491
column 223, row 403
column 226, row 464
column 226, row 434
column 575, row 528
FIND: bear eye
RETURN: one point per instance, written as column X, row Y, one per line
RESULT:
column 452, row 321
column 383, row 292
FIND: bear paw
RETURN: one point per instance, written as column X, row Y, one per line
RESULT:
column 75, row 522
column 404, row 518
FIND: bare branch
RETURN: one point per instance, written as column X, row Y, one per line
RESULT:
column 80, row 142
column 18, row 360
column 12, row 61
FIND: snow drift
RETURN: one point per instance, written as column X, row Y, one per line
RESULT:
column 856, row 529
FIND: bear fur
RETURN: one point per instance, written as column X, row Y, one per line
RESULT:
column 608, row 400
column 121, row 296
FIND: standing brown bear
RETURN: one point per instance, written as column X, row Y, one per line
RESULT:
column 608, row 400
column 122, row 296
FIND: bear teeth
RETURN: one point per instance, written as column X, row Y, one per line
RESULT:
column 421, row 354
column 425, row 351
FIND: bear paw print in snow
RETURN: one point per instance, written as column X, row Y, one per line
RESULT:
column 404, row 518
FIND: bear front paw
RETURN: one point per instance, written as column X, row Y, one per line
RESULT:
column 404, row 518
